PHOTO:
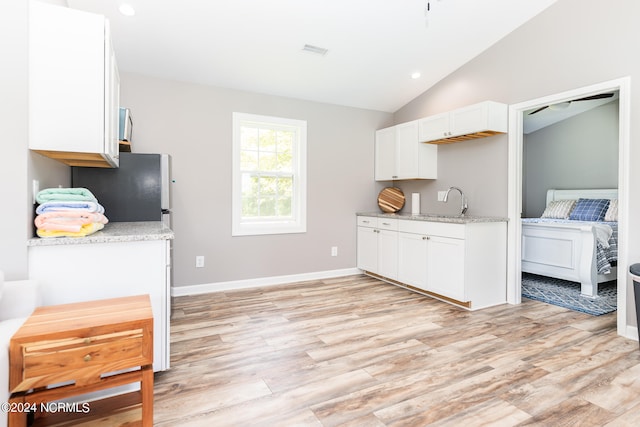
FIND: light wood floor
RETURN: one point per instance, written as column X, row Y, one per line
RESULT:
column 356, row 351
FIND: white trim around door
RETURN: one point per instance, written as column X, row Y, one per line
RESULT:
column 515, row 189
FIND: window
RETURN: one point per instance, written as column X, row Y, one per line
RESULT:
column 269, row 175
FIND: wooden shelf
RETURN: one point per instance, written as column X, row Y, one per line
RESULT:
column 468, row 137
column 72, row 158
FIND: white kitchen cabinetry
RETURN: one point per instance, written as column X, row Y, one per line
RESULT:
column 475, row 121
column 400, row 155
column 83, row 272
column 446, row 267
column 385, row 154
column 377, row 249
column 73, row 87
column 461, row 263
column 412, row 253
column 367, row 250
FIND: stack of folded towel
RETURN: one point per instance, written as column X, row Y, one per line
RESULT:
column 68, row 212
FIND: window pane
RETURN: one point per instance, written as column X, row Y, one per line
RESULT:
column 268, row 140
column 268, row 186
column 249, row 185
column 268, row 207
column 267, row 161
column 284, row 207
column 285, row 140
column 248, row 138
column 285, row 186
column 249, row 160
column 250, row 207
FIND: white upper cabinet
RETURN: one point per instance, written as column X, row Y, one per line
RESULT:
column 475, row 121
column 385, row 154
column 73, row 87
column 400, row 155
column 434, row 127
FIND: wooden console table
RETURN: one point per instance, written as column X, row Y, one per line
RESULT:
column 72, row 349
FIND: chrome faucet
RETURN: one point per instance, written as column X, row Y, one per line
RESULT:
column 463, row 200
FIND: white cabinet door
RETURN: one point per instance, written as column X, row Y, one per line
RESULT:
column 445, row 267
column 385, row 154
column 407, row 160
column 367, row 249
column 412, row 259
column 469, row 119
column 487, row 116
column 388, row 253
column 399, row 154
column 434, row 127
column 70, row 78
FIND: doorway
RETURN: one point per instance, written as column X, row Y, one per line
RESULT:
column 515, row 172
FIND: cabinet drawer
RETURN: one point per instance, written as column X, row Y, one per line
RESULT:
column 367, row 221
column 388, row 224
column 432, row 228
column 415, row 227
column 81, row 358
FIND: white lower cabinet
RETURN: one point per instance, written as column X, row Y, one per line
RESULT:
column 378, row 246
column 84, row 272
column 461, row 263
column 446, row 267
column 367, row 248
column 412, row 259
column 388, row 253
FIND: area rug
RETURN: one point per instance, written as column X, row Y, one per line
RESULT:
column 567, row 294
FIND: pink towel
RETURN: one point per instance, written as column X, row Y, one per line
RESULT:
column 70, row 220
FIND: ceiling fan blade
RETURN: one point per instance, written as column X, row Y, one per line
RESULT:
column 538, row 110
column 598, row 96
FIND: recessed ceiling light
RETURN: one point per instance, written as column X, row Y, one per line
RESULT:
column 126, row 9
column 415, row 75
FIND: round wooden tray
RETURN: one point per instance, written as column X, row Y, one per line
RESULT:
column 391, row 199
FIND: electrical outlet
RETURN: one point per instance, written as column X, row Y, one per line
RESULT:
column 199, row 261
column 441, row 195
column 334, row 251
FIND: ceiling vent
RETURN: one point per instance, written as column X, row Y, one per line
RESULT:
column 315, row 50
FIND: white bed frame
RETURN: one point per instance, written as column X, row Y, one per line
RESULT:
column 566, row 251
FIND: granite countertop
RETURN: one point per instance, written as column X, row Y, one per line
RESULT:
column 436, row 217
column 113, row 232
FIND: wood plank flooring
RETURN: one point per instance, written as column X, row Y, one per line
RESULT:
column 355, row 351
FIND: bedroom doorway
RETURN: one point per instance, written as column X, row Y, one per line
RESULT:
column 515, row 186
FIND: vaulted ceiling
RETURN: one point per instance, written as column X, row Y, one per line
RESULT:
column 373, row 46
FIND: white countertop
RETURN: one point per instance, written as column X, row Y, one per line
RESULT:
column 113, row 232
column 455, row 219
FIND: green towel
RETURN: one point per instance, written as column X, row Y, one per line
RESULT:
column 65, row 195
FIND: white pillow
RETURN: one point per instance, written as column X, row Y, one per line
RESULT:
column 559, row 209
column 1, row 282
column 612, row 212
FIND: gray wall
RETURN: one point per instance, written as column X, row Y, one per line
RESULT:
column 193, row 124
column 573, row 43
column 580, row 152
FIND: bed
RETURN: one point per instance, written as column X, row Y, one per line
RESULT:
column 573, row 249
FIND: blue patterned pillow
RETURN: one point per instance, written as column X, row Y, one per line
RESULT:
column 589, row 210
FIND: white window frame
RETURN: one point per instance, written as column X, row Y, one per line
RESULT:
column 298, row 223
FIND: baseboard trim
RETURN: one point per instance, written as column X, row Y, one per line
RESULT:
column 205, row 288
